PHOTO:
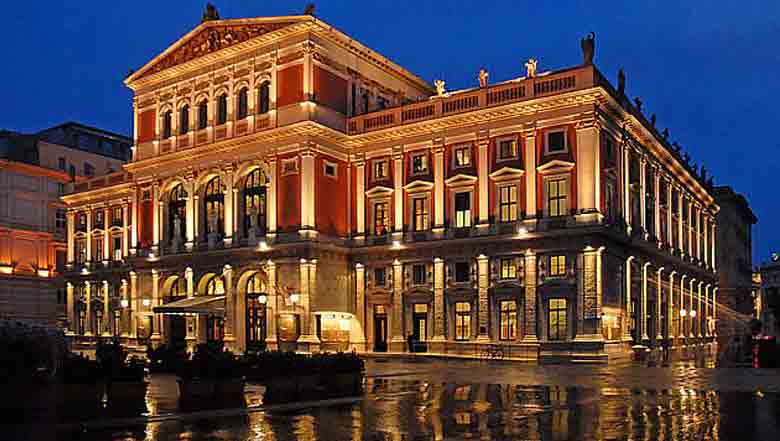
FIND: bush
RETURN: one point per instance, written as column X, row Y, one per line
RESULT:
column 166, row 358
column 77, row 369
column 210, row 361
column 29, row 352
column 115, row 363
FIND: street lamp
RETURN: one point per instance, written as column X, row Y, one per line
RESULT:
column 262, row 298
column 146, row 302
column 295, row 298
column 124, row 303
column 683, row 312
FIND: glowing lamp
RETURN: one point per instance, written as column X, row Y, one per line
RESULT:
column 262, row 298
column 146, row 302
column 683, row 312
column 693, row 313
column 295, row 298
column 124, row 303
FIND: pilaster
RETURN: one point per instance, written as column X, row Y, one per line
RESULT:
column 398, row 339
column 229, row 206
column 529, row 336
column 156, row 337
column 272, row 310
column 71, row 231
column 483, row 169
column 273, row 185
column 438, row 301
column 230, row 308
column 307, row 189
column 398, row 192
column 360, row 196
column 88, row 321
column 530, row 173
column 438, row 184
column 156, row 218
column 72, row 322
column 483, row 279
column 588, row 170
column 106, row 311
column 360, row 303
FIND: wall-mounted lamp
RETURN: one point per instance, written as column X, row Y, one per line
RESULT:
column 146, row 302
column 295, row 298
column 262, row 298
column 683, row 312
column 124, row 303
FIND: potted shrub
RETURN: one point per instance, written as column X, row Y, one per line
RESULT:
column 213, row 376
column 125, row 377
column 81, row 385
column 166, row 358
column 276, row 371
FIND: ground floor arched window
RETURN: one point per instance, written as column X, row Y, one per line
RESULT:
column 255, row 313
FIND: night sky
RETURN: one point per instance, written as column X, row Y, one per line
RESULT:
column 708, row 69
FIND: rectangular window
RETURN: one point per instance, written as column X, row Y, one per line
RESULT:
column 60, row 219
column 557, row 319
column 557, row 266
column 289, row 166
column 98, row 251
column 556, row 141
column 507, row 320
column 507, row 149
column 117, row 247
column 116, row 216
column 419, row 274
column 507, row 203
column 379, row 277
column 330, row 169
column 61, row 164
column 420, row 164
column 99, row 218
column 557, row 197
column 381, row 218
column 381, row 170
column 89, row 169
column 81, row 251
column 462, row 320
column 462, row 272
column 508, row 269
column 462, row 210
column 463, row 156
column 420, row 212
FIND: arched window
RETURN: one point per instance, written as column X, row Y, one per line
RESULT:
column 166, row 125
column 215, row 287
column 177, row 213
column 215, row 206
column 264, row 98
column 184, row 119
column 255, row 202
column 178, row 289
column 243, row 102
column 222, row 109
column 203, row 114
column 255, row 313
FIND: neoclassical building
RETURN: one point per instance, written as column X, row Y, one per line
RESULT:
column 291, row 187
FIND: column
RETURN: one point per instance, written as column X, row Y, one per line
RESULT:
column 398, row 181
column 438, row 301
column 88, row 321
column 189, row 212
column 125, row 230
column 483, row 280
column 135, row 308
column 670, row 230
column 699, row 312
column 530, row 174
column 156, row 215
column 705, row 236
column 307, row 189
column 398, row 339
column 106, row 239
column 272, row 188
column 658, row 304
column 698, row 233
column 643, row 308
column 680, row 243
column 529, row 335
column 712, row 247
column 126, row 310
column 360, row 304
column 643, row 194
column 157, row 323
column 307, row 337
column 588, row 168
column 438, row 185
column 483, row 168
column 308, row 70
column 228, row 239
column 682, row 332
column 71, row 310
column 689, row 230
column 707, row 310
column 134, row 223
column 715, row 309
column 272, row 306
column 192, row 322
column 360, row 197
column 106, row 311
column 626, row 189
column 671, row 314
column 71, row 232
column 627, row 312
column 89, row 237
column 657, row 205
column 691, row 319
column 230, row 308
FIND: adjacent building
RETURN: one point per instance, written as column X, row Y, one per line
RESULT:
column 34, row 170
column 769, row 296
column 291, row 187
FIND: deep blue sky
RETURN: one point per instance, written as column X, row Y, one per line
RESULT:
column 709, row 69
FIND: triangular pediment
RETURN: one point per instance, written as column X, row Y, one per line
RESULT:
column 213, row 36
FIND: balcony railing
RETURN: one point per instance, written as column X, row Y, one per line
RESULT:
column 482, row 98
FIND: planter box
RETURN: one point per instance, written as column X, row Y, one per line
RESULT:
column 119, row 391
column 308, row 387
column 210, row 393
column 281, row 390
column 90, row 394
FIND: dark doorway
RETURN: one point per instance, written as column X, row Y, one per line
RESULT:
column 215, row 329
column 420, row 326
column 380, row 329
column 177, row 331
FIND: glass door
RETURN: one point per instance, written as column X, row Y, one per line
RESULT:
column 380, row 328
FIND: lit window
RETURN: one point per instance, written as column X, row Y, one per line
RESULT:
column 420, row 212
column 557, row 265
column 557, row 197
column 329, row 169
column 508, row 269
column 379, row 277
column 98, row 254
column 117, row 247
column 99, row 218
column 463, row 156
column 216, row 286
column 380, row 170
column 556, row 141
column 462, row 321
column 462, row 272
column 462, row 210
column 116, row 216
column 507, row 149
column 507, row 203
column 418, row 274
column 557, row 319
column 507, row 320
column 420, row 163
column 381, row 218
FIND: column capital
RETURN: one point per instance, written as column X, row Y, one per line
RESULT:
column 398, row 152
column 133, row 275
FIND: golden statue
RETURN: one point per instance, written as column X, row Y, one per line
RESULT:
column 483, row 78
column 530, row 66
column 440, row 87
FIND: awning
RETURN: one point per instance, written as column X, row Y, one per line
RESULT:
column 208, row 305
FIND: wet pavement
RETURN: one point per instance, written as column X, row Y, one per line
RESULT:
column 418, row 398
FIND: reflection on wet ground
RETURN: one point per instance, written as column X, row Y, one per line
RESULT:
column 401, row 409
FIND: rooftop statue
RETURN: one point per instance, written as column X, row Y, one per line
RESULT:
column 309, row 9
column 621, row 82
column 687, row 158
column 210, row 13
column 588, row 45
column 666, row 133
column 530, row 67
column 652, row 119
column 440, row 91
column 703, row 173
column 483, row 78
column 638, row 103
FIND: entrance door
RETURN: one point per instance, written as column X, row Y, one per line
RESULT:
column 420, row 326
column 380, row 329
column 215, row 329
column 178, row 331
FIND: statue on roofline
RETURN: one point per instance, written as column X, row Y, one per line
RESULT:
column 666, row 133
column 440, row 90
column 638, row 104
column 483, row 78
column 588, row 45
column 621, row 81
column 530, row 67
column 210, row 13
column 652, row 119
column 309, row 9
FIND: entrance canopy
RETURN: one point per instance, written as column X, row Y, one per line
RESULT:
column 206, row 305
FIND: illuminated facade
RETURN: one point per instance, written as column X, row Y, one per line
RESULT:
column 34, row 170
column 291, row 187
